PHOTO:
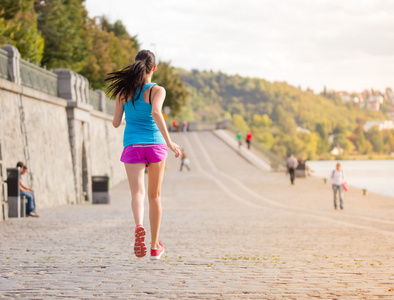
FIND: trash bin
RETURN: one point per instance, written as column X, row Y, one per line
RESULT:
column 100, row 189
column 300, row 171
column 16, row 205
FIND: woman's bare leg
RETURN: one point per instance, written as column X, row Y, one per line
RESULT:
column 135, row 175
column 155, row 176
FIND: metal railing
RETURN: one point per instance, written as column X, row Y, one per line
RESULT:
column 38, row 78
column 3, row 64
column 94, row 100
column 110, row 106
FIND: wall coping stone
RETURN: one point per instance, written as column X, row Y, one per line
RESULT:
column 101, row 115
column 82, row 106
column 31, row 93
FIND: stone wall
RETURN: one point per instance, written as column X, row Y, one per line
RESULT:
column 68, row 140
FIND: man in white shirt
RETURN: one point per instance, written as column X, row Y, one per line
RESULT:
column 337, row 179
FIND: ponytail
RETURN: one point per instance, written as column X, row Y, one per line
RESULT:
column 131, row 79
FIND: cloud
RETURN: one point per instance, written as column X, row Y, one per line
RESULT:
column 307, row 42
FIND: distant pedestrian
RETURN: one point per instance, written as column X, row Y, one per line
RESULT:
column 337, row 179
column 145, row 143
column 184, row 126
column 239, row 138
column 249, row 138
column 27, row 192
column 291, row 164
column 185, row 161
column 174, row 125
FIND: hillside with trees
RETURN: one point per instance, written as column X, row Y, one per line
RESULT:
column 284, row 118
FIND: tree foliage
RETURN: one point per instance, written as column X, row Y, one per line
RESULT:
column 107, row 52
column 18, row 27
column 62, row 23
column 239, row 122
column 376, row 138
column 176, row 93
column 59, row 34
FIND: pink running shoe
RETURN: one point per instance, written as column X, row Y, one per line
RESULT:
column 139, row 242
column 155, row 254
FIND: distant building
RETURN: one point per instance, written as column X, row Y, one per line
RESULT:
column 373, row 105
column 391, row 115
column 336, row 151
column 303, row 130
column 331, row 138
column 347, row 97
column 382, row 125
column 390, row 96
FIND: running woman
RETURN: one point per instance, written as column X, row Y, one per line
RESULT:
column 145, row 143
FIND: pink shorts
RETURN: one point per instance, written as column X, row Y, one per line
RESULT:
column 144, row 154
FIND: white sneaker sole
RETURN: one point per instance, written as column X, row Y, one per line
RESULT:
column 157, row 257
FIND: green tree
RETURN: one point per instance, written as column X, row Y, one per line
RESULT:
column 341, row 141
column 63, row 25
column 119, row 30
column 375, row 137
column 389, row 141
column 288, row 125
column 107, row 52
column 323, row 144
column 239, row 123
column 263, row 121
column 18, row 27
column 176, row 93
column 279, row 114
column 266, row 138
column 311, row 142
column 361, row 145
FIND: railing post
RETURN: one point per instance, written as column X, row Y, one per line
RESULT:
column 14, row 70
column 66, row 82
column 102, row 98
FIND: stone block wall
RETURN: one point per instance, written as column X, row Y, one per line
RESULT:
column 68, row 140
column 49, row 147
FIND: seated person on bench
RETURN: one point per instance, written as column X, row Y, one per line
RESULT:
column 27, row 192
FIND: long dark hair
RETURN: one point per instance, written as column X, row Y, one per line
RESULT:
column 126, row 82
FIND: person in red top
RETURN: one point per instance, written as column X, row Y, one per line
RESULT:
column 249, row 138
column 174, row 125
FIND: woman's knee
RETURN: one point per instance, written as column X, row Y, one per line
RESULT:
column 138, row 195
column 153, row 198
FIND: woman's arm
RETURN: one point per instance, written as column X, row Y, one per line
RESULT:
column 118, row 115
column 157, row 104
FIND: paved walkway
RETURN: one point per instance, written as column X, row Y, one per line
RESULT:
column 231, row 231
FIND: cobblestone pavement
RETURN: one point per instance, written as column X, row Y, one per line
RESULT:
column 230, row 230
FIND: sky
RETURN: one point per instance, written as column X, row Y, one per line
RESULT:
column 343, row 45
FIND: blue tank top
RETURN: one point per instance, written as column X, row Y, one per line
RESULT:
column 140, row 128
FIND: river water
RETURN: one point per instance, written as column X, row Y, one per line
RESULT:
column 374, row 175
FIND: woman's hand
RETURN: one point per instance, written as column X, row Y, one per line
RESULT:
column 174, row 148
